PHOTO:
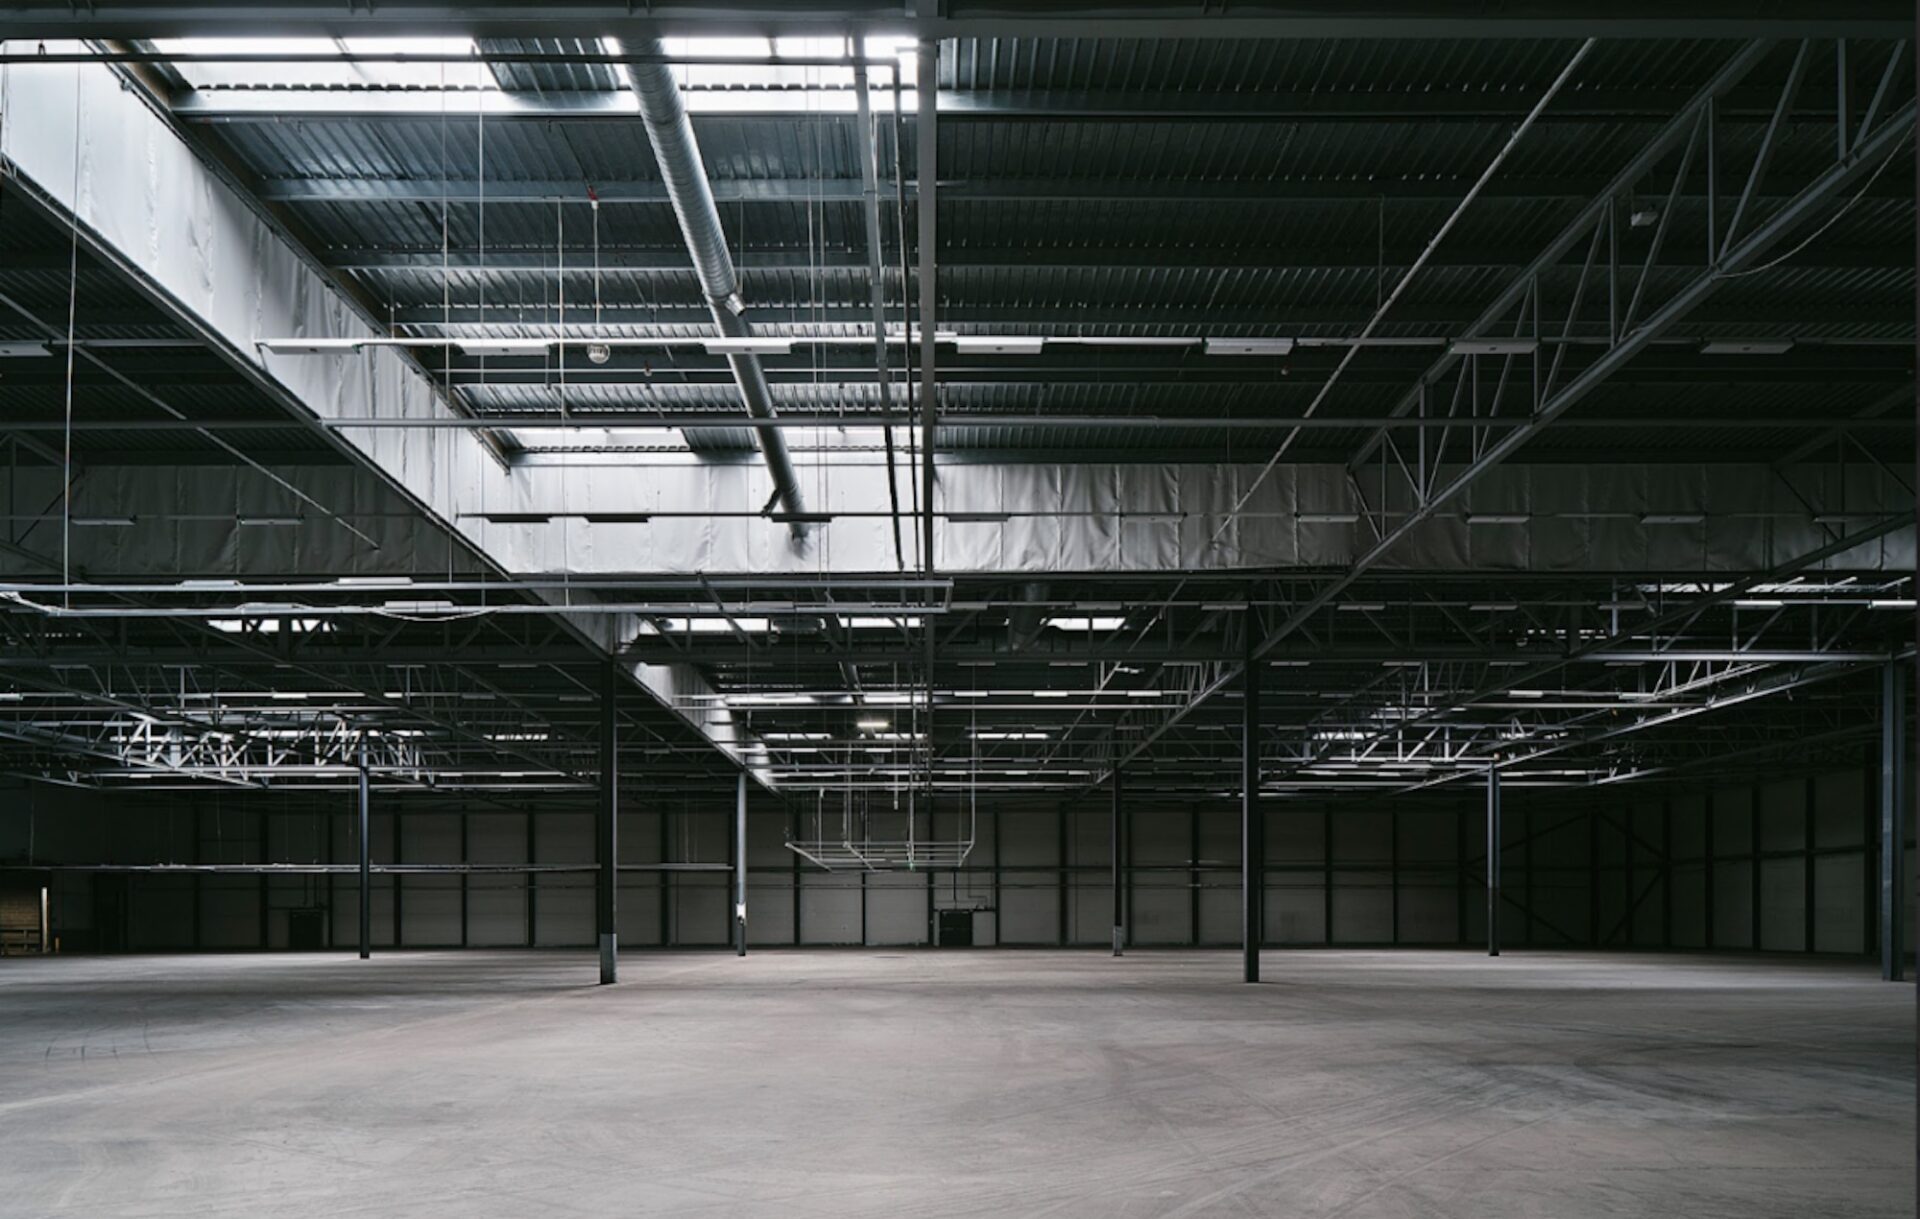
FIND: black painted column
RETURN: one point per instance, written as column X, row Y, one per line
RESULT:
column 1893, row 760
column 366, row 871
column 1493, row 861
column 740, row 869
column 1119, row 893
column 1252, row 830
column 607, row 831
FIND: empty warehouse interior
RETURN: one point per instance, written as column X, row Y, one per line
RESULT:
column 946, row 608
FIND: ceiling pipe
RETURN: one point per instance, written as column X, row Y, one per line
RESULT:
column 685, row 177
column 1027, row 617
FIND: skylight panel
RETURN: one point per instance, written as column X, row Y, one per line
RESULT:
column 321, row 74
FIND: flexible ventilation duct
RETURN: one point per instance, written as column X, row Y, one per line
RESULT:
column 685, row 176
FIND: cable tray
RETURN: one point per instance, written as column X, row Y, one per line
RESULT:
column 872, row 856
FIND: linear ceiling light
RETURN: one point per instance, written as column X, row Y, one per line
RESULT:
column 1000, row 344
column 22, row 350
column 310, row 347
column 1494, row 347
column 1746, row 347
column 753, row 345
column 1673, row 518
column 1328, row 518
column 1249, row 347
column 1095, row 622
column 502, row 347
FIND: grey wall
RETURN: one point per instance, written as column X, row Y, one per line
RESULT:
column 1677, row 869
column 1787, row 865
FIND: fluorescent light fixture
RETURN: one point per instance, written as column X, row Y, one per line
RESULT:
column 1746, row 347
column 309, row 347
column 266, row 520
column 717, row 625
column 419, row 607
column 999, row 344
column 1493, row 607
column 1249, row 347
column 775, row 699
column 1892, row 603
column 876, row 622
column 1631, row 606
column 617, row 518
column 1497, row 518
column 518, row 518
column 1758, row 603
column 14, row 350
column 873, row 725
column 1096, row 622
column 1361, row 607
column 1328, row 518
column 372, row 581
column 1494, row 347
column 801, row 518
column 100, row 522
column 1009, row 736
column 978, row 518
column 1673, row 518
column 502, row 347
column 1527, row 693
column 751, row 345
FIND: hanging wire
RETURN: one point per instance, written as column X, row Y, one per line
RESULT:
column 593, row 209
column 73, row 301
column 446, row 292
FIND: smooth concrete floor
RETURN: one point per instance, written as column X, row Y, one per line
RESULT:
column 954, row 1083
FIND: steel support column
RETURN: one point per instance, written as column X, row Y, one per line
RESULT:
column 607, row 831
column 1893, row 759
column 1252, row 831
column 366, row 870
column 1119, row 894
column 926, row 174
column 740, row 868
column 1493, row 861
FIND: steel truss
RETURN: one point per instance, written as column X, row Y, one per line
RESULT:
column 1399, row 483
